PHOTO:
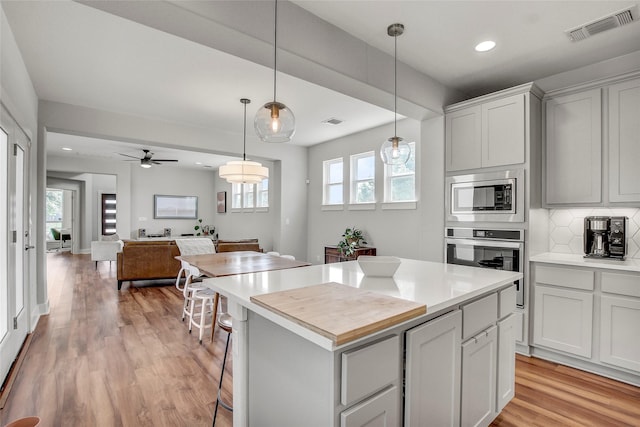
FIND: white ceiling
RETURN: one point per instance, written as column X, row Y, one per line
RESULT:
column 440, row 36
column 80, row 55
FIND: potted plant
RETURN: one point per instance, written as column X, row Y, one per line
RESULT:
column 351, row 240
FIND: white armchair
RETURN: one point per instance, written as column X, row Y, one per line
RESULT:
column 106, row 249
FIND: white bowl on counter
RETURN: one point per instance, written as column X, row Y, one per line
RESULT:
column 378, row 266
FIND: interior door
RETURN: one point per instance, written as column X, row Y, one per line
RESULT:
column 14, row 240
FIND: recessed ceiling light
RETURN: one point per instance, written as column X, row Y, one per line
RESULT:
column 485, row 46
column 67, row 149
column 198, row 163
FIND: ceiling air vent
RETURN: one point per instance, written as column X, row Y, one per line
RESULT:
column 608, row 22
column 332, row 121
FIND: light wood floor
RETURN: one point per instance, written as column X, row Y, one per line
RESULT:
column 109, row 358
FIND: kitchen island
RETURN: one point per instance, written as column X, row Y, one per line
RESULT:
column 449, row 364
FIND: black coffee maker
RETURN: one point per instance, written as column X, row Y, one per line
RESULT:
column 605, row 237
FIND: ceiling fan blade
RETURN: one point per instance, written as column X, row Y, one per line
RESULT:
column 154, row 162
column 133, row 157
column 164, row 160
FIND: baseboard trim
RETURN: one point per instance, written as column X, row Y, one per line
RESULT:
column 13, row 372
column 595, row 368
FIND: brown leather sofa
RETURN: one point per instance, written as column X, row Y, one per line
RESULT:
column 146, row 260
column 238, row 245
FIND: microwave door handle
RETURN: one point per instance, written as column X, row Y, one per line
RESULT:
column 489, row 243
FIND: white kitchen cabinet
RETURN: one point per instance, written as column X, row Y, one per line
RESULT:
column 589, row 309
column 479, row 362
column 624, row 141
column 573, row 148
column 433, row 357
column 491, row 133
column 506, row 381
column 563, row 319
column 619, row 334
column 619, row 320
column 463, row 139
column 368, row 369
column 380, row 410
column 503, row 131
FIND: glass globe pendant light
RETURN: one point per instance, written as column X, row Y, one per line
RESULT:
column 274, row 121
column 244, row 171
column 395, row 151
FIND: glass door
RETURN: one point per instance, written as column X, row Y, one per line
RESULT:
column 14, row 241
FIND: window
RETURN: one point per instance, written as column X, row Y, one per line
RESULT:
column 54, row 211
column 262, row 196
column 363, row 169
column 400, row 180
column 333, row 182
column 250, row 196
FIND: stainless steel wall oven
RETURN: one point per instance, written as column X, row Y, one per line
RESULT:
column 497, row 249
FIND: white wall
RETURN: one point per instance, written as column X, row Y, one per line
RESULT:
column 410, row 233
column 172, row 181
column 19, row 97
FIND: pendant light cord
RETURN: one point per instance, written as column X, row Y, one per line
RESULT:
column 395, row 85
column 244, row 136
column 275, row 49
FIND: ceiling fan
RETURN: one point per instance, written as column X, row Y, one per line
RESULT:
column 146, row 161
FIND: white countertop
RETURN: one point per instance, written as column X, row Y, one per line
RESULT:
column 437, row 285
column 629, row 264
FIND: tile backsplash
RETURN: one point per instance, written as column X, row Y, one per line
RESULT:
column 566, row 227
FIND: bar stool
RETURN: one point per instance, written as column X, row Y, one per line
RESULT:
column 189, row 289
column 206, row 298
column 224, row 323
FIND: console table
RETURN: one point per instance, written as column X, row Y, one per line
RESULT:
column 332, row 254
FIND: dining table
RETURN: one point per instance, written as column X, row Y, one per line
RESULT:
column 240, row 262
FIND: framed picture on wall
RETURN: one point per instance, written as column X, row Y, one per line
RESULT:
column 222, row 201
column 175, row 207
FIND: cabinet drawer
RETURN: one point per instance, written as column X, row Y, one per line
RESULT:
column 379, row 410
column 479, row 315
column 507, row 300
column 368, row 369
column 622, row 284
column 565, row 277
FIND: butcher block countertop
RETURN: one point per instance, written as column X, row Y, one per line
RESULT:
column 329, row 310
column 438, row 286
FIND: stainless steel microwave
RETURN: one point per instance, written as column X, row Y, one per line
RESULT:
column 486, row 197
